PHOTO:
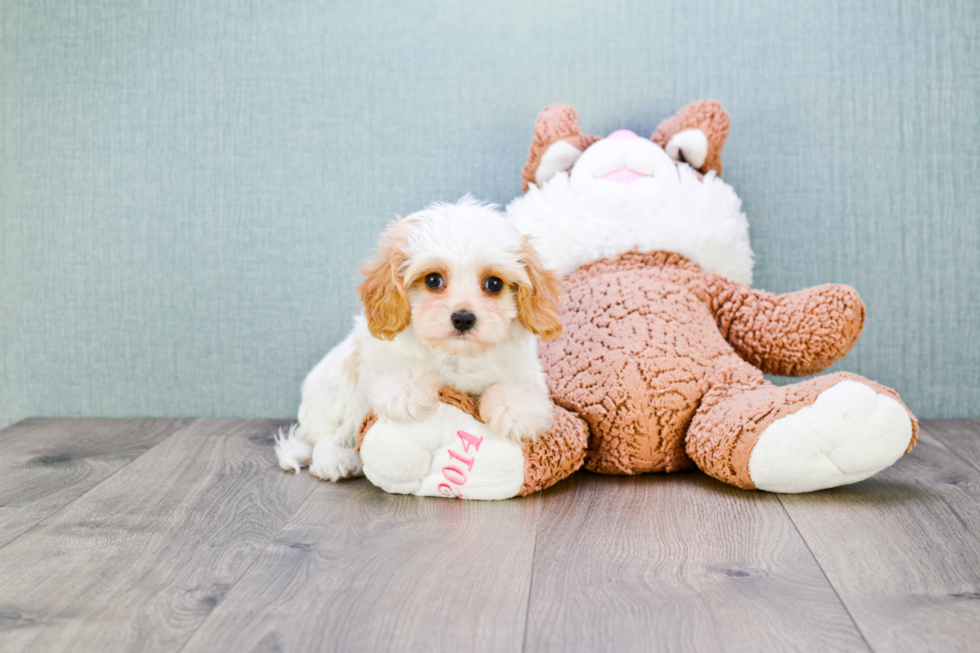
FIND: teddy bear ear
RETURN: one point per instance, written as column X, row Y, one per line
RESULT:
column 696, row 135
column 558, row 143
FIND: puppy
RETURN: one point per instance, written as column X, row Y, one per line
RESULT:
column 455, row 296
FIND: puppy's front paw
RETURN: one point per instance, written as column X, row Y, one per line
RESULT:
column 408, row 400
column 332, row 462
column 516, row 412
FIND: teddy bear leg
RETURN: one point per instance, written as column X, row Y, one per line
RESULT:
column 826, row 432
column 448, row 453
column 452, row 453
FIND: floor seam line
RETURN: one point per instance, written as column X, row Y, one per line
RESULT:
column 61, row 508
column 530, row 582
column 824, row 574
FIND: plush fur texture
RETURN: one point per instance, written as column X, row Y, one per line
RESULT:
column 702, row 220
column 578, row 218
column 707, row 117
column 558, row 122
column 648, row 359
column 408, row 343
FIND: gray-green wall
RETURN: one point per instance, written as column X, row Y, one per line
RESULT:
column 186, row 187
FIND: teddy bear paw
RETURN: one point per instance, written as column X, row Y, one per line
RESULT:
column 849, row 433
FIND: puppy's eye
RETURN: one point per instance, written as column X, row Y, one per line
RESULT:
column 434, row 281
column 493, row 285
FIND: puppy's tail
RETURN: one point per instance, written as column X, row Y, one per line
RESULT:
column 293, row 453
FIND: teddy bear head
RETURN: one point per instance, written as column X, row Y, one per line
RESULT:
column 588, row 198
column 695, row 136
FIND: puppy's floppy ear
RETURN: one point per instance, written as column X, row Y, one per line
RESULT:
column 382, row 292
column 538, row 301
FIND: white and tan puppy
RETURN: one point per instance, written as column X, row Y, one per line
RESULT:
column 455, row 296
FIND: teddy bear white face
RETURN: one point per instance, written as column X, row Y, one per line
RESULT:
column 623, row 163
column 627, row 193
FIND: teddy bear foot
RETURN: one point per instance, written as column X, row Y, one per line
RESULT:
column 847, row 434
column 452, row 453
column 449, row 453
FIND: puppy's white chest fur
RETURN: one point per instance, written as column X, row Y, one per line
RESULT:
column 474, row 374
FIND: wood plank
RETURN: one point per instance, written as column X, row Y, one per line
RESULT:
column 902, row 549
column 962, row 436
column 676, row 562
column 360, row 570
column 139, row 562
column 48, row 463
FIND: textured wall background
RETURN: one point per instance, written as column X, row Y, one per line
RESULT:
column 186, row 187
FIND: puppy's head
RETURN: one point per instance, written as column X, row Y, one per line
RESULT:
column 463, row 277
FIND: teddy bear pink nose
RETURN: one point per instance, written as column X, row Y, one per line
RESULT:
column 622, row 135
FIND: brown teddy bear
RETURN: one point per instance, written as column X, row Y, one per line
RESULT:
column 660, row 366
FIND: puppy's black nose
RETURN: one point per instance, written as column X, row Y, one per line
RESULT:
column 463, row 321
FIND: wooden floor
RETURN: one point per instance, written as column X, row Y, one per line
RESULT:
column 182, row 535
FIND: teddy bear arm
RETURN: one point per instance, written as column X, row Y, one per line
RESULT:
column 794, row 334
column 556, row 453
